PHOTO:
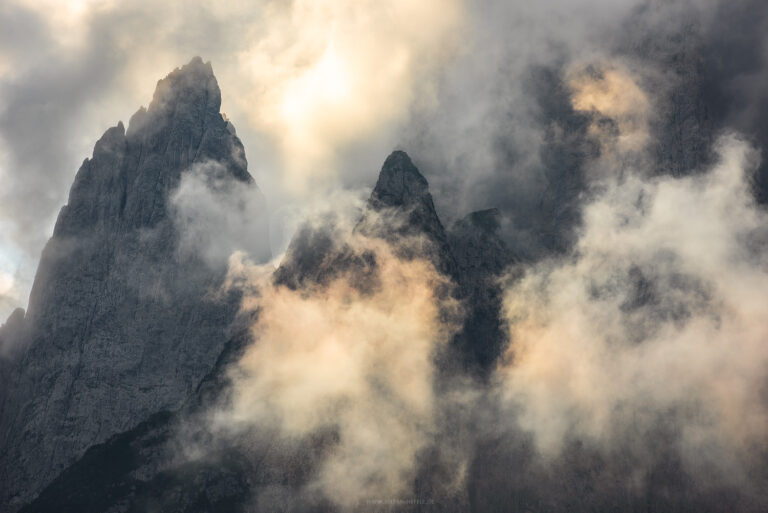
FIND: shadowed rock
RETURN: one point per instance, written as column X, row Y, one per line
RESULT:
column 120, row 324
column 482, row 257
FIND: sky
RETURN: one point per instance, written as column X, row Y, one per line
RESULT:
column 322, row 91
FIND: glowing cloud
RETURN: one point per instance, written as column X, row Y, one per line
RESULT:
column 327, row 73
column 66, row 18
column 611, row 92
column 360, row 362
column 660, row 312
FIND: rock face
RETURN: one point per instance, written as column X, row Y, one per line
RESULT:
column 401, row 206
column 121, row 324
column 482, row 257
column 137, row 472
column 400, row 210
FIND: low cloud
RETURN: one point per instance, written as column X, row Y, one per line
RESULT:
column 659, row 312
column 620, row 110
column 352, row 356
column 217, row 215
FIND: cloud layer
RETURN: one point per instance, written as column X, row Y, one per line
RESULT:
column 659, row 311
column 597, row 127
column 356, row 361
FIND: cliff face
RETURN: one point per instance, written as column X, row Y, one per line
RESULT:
column 237, row 472
column 128, row 335
column 121, row 323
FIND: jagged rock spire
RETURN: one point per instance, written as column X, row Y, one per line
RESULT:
column 114, row 302
column 400, row 183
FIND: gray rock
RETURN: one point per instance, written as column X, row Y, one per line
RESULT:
column 11, row 342
column 120, row 324
column 401, row 207
column 400, row 210
column 482, row 258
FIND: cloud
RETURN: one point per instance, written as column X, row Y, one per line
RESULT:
column 642, row 294
column 302, row 81
column 11, row 295
column 322, row 91
column 325, row 74
column 217, row 215
column 8, row 294
column 659, row 312
column 355, row 357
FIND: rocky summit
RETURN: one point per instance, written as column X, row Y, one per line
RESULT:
column 121, row 324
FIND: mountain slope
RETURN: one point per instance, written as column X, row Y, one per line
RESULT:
column 139, row 466
column 121, row 324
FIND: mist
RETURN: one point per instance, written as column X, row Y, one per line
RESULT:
column 659, row 311
column 352, row 357
column 623, row 144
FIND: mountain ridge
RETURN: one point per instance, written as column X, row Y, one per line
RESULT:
column 120, row 324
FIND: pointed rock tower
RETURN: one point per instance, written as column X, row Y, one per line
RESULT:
column 121, row 324
column 401, row 206
column 400, row 210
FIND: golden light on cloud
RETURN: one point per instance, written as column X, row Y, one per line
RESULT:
column 327, row 73
column 661, row 310
column 612, row 92
column 357, row 361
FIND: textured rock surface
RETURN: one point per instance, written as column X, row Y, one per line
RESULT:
column 400, row 210
column 401, row 206
column 120, row 324
column 482, row 257
column 140, row 472
column 148, row 468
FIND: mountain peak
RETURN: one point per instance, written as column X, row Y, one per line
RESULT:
column 189, row 94
column 193, row 78
column 400, row 183
column 402, row 195
column 117, row 298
